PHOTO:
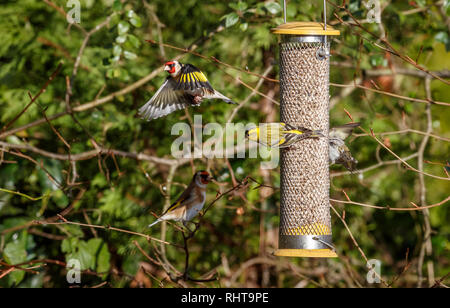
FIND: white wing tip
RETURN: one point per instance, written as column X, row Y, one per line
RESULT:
column 153, row 223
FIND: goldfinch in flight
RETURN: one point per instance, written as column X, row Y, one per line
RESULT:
column 339, row 152
column 280, row 135
column 185, row 86
column 191, row 201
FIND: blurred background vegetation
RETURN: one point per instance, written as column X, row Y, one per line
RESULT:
column 238, row 235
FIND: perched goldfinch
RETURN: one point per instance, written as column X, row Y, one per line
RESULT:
column 185, row 86
column 280, row 135
column 339, row 152
column 191, row 201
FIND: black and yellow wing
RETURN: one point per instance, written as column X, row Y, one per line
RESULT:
column 166, row 100
column 291, row 135
column 176, row 204
column 192, row 79
column 183, row 199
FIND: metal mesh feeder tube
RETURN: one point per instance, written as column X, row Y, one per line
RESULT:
column 305, row 224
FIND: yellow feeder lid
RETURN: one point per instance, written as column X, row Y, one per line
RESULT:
column 305, row 28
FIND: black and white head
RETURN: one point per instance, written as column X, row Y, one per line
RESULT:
column 173, row 68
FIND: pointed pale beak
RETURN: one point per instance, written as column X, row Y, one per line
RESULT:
column 166, row 68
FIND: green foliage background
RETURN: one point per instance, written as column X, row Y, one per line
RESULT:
column 35, row 38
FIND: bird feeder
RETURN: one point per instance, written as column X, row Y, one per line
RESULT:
column 305, row 224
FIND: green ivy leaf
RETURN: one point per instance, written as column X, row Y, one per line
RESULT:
column 231, row 19
column 84, row 255
column 92, row 254
column 136, row 21
column 244, row 26
column 131, row 14
column 273, row 7
column 114, row 21
column 69, row 244
column 123, row 27
column 110, row 73
column 103, row 259
column 129, row 55
column 240, row 6
column 15, row 253
column 121, row 39
column 117, row 72
column 447, row 7
column 135, row 42
column 117, row 50
column 117, row 5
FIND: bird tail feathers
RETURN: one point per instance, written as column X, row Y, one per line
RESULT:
column 219, row 95
column 154, row 223
column 316, row 134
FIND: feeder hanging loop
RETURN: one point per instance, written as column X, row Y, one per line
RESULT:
column 323, row 53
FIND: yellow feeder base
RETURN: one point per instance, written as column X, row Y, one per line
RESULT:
column 306, row 253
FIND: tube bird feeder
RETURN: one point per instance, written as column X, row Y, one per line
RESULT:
column 305, row 223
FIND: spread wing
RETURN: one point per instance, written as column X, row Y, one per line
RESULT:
column 166, row 100
column 343, row 131
column 192, row 79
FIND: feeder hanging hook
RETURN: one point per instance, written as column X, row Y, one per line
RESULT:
column 323, row 53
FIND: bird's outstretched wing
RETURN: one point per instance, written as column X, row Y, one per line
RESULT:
column 166, row 100
column 343, row 131
column 192, row 79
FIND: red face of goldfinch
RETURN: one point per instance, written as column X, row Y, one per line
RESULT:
column 172, row 67
column 205, row 178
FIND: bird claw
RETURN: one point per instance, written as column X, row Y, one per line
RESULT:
column 197, row 99
column 191, row 232
column 186, row 227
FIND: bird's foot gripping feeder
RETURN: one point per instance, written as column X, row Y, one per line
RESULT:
column 305, row 225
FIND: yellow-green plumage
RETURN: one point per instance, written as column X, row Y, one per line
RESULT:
column 280, row 135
